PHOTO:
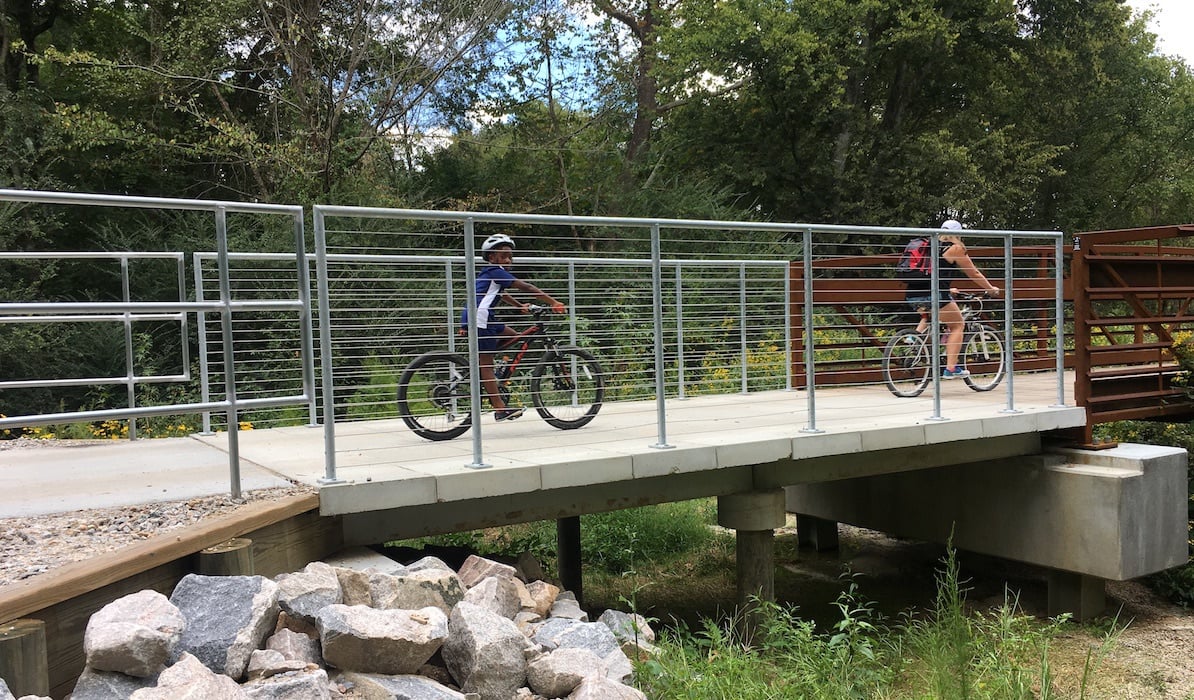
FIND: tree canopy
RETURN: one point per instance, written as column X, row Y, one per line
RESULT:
column 1004, row 113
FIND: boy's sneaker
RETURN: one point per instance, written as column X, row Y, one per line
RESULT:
column 508, row 414
column 956, row 373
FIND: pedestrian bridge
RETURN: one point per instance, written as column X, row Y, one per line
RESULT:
column 748, row 372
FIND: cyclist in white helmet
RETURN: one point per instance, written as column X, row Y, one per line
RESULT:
column 954, row 259
column 493, row 281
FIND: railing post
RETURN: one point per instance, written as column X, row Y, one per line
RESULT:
column 935, row 324
column 201, row 335
column 810, row 368
column 474, row 375
column 572, row 302
column 325, row 349
column 232, row 415
column 130, row 380
column 1079, row 287
column 742, row 322
column 660, row 375
column 1009, row 356
column 679, row 332
column 306, row 339
column 450, row 297
column 787, row 327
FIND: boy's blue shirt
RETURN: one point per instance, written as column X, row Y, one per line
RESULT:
column 492, row 280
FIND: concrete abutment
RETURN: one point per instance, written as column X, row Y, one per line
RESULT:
column 1087, row 516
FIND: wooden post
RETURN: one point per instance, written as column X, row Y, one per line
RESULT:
column 24, row 665
column 568, row 555
column 231, row 558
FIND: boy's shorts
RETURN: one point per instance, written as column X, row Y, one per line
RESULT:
column 487, row 338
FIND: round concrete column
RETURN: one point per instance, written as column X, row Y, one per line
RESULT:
column 754, row 516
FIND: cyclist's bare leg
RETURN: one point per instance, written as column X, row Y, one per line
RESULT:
column 488, row 380
column 951, row 317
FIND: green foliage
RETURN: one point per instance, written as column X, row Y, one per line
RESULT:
column 613, row 541
column 948, row 653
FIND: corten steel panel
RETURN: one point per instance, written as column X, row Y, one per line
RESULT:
column 1136, row 292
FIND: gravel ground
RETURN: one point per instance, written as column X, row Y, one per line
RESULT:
column 35, row 545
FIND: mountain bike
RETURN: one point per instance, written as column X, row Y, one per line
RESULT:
column 907, row 359
column 566, row 383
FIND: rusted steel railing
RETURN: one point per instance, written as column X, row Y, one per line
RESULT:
column 1136, row 289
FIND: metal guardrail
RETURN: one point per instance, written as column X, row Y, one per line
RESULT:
column 372, row 229
column 387, row 286
column 127, row 311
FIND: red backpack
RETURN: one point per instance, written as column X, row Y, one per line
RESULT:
column 916, row 260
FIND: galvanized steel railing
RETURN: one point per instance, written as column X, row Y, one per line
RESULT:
column 127, row 312
column 677, row 308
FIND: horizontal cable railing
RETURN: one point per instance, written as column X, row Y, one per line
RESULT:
column 671, row 309
column 67, row 306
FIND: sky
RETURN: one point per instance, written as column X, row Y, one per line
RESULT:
column 1173, row 24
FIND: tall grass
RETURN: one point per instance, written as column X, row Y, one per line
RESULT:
column 948, row 652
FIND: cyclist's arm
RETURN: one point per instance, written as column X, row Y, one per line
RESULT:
column 548, row 299
column 958, row 256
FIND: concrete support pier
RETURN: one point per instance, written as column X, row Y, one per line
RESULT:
column 754, row 516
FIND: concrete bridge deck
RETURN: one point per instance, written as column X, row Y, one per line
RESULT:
column 382, row 466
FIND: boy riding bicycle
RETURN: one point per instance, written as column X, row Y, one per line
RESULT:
column 492, row 282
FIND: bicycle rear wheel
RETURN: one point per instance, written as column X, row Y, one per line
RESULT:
column 983, row 356
column 906, row 363
column 433, row 396
column 567, row 387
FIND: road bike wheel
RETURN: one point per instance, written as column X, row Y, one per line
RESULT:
column 433, row 396
column 567, row 388
column 983, row 357
column 906, row 363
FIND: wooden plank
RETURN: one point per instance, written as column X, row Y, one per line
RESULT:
column 24, row 597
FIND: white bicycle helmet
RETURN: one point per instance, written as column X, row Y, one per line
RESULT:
column 496, row 240
column 952, row 225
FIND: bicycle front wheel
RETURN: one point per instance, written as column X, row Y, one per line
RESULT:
column 906, row 363
column 983, row 356
column 567, row 387
column 433, row 396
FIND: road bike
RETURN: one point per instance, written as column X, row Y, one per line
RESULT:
column 908, row 360
column 566, row 384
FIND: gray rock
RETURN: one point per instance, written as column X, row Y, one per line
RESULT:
column 355, row 588
column 295, row 646
column 605, row 689
column 365, row 559
column 106, row 685
column 557, row 674
column 358, row 638
column 544, row 594
column 305, row 593
column 400, row 687
column 565, row 605
column 417, row 589
column 627, row 627
column 301, row 685
column 134, row 635
column 5, row 693
column 546, row 633
column 429, row 563
column 227, row 617
column 266, row 663
column 528, row 568
column 190, row 679
column 497, row 594
column 485, row 652
column 476, row 569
